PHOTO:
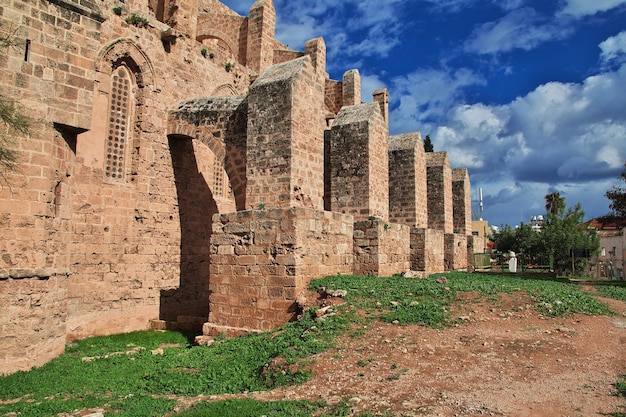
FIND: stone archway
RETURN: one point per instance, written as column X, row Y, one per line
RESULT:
column 207, row 145
column 192, row 162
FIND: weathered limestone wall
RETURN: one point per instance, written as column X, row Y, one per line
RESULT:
column 262, row 259
column 351, row 88
column 261, row 29
column 455, row 252
column 49, row 74
column 116, row 217
column 461, row 201
column 408, row 203
column 219, row 123
column 359, row 163
column 439, row 183
column 111, row 245
column 285, row 164
column 216, row 21
column 380, row 249
column 333, row 99
column 35, row 303
column 475, row 244
column 427, row 250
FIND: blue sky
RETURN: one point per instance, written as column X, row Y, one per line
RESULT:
column 529, row 95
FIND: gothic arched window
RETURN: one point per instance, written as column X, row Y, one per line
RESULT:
column 118, row 132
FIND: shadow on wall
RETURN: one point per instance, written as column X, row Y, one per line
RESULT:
column 188, row 305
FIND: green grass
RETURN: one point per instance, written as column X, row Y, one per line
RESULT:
column 621, row 392
column 615, row 291
column 127, row 383
column 140, row 384
column 252, row 408
column 427, row 302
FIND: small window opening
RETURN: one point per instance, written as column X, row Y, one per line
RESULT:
column 27, row 50
column 218, row 179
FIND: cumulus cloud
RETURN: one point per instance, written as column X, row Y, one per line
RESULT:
column 424, row 96
column 614, row 48
column 520, row 29
column 369, row 84
column 571, row 134
column 581, row 8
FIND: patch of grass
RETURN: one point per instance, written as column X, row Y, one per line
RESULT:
column 427, row 312
column 616, row 292
column 252, row 408
column 621, row 387
column 427, row 301
column 341, row 409
column 124, row 378
column 126, row 383
column 363, row 363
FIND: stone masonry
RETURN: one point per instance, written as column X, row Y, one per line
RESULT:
column 196, row 173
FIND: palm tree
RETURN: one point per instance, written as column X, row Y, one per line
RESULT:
column 555, row 204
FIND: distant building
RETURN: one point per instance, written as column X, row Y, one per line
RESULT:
column 480, row 233
column 612, row 234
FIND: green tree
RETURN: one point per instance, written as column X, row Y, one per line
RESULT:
column 428, row 145
column 560, row 233
column 617, row 195
column 522, row 239
column 555, row 204
column 564, row 232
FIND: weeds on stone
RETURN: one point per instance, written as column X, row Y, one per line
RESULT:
column 137, row 20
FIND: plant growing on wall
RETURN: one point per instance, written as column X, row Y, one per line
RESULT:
column 13, row 120
column 137, row 20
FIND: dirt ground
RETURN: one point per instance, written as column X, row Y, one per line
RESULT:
column 504, row 359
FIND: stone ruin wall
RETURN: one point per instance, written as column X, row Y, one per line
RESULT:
column 85, row 253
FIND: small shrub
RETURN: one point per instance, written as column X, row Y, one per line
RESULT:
column 211, row 55
column 229, row 66
column 137, row 20
column 117, row 10
column 203, row 52
column 621, row 387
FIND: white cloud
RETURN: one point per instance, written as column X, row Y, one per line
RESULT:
column 369, row 84
column 423, row 97
column 614, row 48
column 351, row 28
column 568, row 136
column 580, row 8
column 520, row 29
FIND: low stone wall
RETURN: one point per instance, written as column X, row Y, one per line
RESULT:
column 427, row 250
column 455, row 257
column 33, row 319
column 262, row 259
column 380, row 248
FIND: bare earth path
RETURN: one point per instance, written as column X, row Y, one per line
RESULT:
column 504, row 359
